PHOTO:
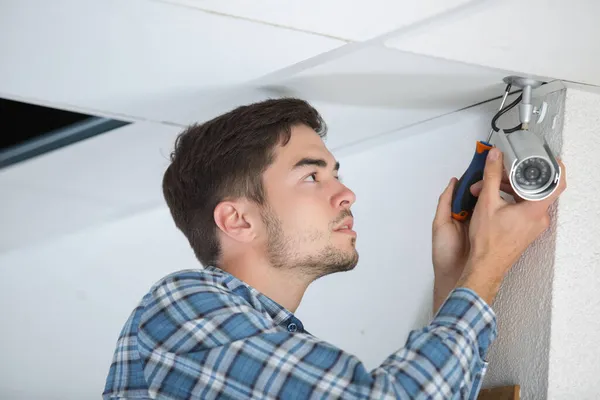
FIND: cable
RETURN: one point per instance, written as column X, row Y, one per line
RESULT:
column 506, row 109
column 516, row 128
column 503, row 111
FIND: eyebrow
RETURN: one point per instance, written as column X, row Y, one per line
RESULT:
column 319, row 162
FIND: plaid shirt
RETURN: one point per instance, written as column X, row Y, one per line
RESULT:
column 204, row 334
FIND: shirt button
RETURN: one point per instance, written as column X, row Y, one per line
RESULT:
column 292, row 327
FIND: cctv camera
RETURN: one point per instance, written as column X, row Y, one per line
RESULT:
column 532, row 169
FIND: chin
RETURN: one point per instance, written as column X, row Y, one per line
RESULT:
column 347, row 262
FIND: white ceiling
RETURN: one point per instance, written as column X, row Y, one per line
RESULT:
column 357, row 22
column 545, row 37
column 140, row 58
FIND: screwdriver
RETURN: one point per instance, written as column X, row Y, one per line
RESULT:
column 463, row 201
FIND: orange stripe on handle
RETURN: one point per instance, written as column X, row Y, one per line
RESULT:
column 462, row 216
column 480, row 148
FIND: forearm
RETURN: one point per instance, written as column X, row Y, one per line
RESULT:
column 478, row 275
column 464, row 325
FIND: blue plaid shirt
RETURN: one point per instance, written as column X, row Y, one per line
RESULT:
column 204, row 334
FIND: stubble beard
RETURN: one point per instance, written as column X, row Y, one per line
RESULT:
column 283, row 253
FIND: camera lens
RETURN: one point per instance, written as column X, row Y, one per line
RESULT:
column 533, row 173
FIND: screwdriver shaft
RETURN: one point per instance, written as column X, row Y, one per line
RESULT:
column 500, row 109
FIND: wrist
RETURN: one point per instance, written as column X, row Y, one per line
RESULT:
column 444, row 282
column 445, row 270
column 483, row 277
column 442, row 274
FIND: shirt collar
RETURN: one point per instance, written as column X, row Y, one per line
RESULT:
column 278, row 313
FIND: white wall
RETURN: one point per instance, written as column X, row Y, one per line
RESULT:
column 574, row 368
column 65, row 301
column 548, row 305
column 524, row 303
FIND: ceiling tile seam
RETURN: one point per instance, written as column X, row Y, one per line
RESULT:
column 379, row 40
column 252, row 20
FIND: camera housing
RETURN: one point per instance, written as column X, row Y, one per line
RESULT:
column 532, row 169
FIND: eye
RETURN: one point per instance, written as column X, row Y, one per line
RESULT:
column 313, row 176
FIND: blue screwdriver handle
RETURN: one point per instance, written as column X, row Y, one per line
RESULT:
column 463, row 202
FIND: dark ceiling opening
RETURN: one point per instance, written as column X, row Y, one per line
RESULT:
column 20, row 122
column 29, row 130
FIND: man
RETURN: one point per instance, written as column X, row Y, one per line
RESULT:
column 257, row 194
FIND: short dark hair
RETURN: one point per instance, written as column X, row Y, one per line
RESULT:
column 225, row 158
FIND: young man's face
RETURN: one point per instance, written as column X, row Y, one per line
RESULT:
column 308, row 208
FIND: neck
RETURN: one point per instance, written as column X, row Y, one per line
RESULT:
column 284, row 286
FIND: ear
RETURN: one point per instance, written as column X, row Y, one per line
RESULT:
column 235, row 219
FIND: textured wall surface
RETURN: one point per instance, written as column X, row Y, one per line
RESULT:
column 574, row 371
column 524, row 303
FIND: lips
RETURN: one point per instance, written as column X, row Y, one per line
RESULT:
column 345, row 225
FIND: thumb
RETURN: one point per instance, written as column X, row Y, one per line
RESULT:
column 492, row 173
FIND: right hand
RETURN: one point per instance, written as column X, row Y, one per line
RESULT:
column 499, row 231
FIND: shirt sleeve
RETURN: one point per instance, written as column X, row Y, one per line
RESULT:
column 200, row 342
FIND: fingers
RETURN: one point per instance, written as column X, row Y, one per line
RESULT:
column 444, row 208
column 492, row 174
column 505, row 176
column 504, row 186
column 476, row 188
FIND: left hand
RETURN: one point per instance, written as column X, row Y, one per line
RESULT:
column 450, row 247
column 450, row 240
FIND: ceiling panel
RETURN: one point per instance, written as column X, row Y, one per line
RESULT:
column 137, row 57
column 544, row 37
column 337, row 18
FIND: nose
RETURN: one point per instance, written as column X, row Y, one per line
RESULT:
column 344, row 197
